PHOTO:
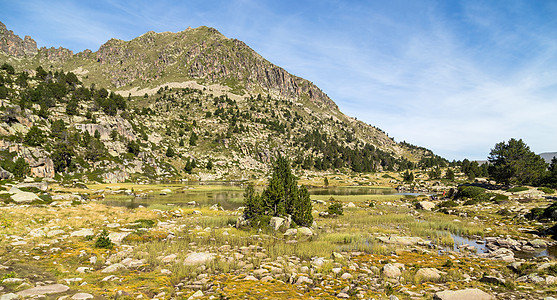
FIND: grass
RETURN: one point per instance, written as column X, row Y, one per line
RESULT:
column 355, row 231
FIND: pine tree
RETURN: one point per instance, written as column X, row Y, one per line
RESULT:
column 281, row 198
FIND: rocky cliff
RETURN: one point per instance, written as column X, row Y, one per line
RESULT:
column 12, row 44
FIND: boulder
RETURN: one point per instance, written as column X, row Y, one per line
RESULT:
column 20, row 196
column 56, row 232
column 337, row 255
column 169, row 258
column 83, row 232
column 82, row 296
column 346, row 276
column 303, row 279
column 113, row 268
column 5, row 174
column 276, row 223
column 537, row 243
column 466, row 294
column 197, row 294
column 9, row 296
column 44, row 290
column 198, row 258
column 117, row 237
column 391, row 271
column 291, row 232
column 428, row 274
column 351, row 205
column 41, row 185
column 503, row 254
column 425, row 205
column 305, row 231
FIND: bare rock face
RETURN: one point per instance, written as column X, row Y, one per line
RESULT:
column 12, row 44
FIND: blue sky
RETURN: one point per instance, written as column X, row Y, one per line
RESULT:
column 453, row 76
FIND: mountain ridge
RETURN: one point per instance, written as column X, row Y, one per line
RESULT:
column 198, row 83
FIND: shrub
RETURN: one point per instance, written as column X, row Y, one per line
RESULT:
column 448, row 203
column 517, row 189
column 535, row 213
column 475, row 193
column 550, row 211
column 103, row 241
column 335, row 208
column 546, row 190
column 499, row 198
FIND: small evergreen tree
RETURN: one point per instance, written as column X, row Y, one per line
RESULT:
column 408, row 176
column 133, row 148
column 21, row 168
column 193, row 139
column 170, row 152
column 449, row 174
column 282, row 197
column 34, row 137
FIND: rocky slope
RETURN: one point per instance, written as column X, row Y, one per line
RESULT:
column 192, row 96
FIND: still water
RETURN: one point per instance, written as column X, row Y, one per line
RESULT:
column 230, row 196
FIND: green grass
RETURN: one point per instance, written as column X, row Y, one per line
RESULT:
column 517, row 189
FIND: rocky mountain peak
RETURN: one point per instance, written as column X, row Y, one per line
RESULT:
column 13, row 45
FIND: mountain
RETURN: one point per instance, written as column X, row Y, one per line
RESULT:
column 192, row 104
column 548, row 156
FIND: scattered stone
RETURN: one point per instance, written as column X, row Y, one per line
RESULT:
column 13, row 280
column 537, row 243
column 9, row 296
column 466, row 294
column 166, row 272
column 83, row 232
column 276, row 223
column 391, row 271
column 303, row 279
column 113, row 268
column 44, row 290
column 169, row 258
column 53, row 233
column 337, row 255
column 196, row 295
column 117, row 237
column 251, row 278
column 351, row 205
column 428, row 274
column 20, row 196
column 84, row 269
column 346, row 276
column 425, row 205
column 19, row 243
column 343, row 295
column 291, row 232
column 198, row 258
column 318, row 261
column 82, row 296
column 305, row 231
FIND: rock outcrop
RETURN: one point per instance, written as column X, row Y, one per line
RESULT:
column 13, row 45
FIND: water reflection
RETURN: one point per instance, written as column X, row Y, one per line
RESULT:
column 231, row 198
